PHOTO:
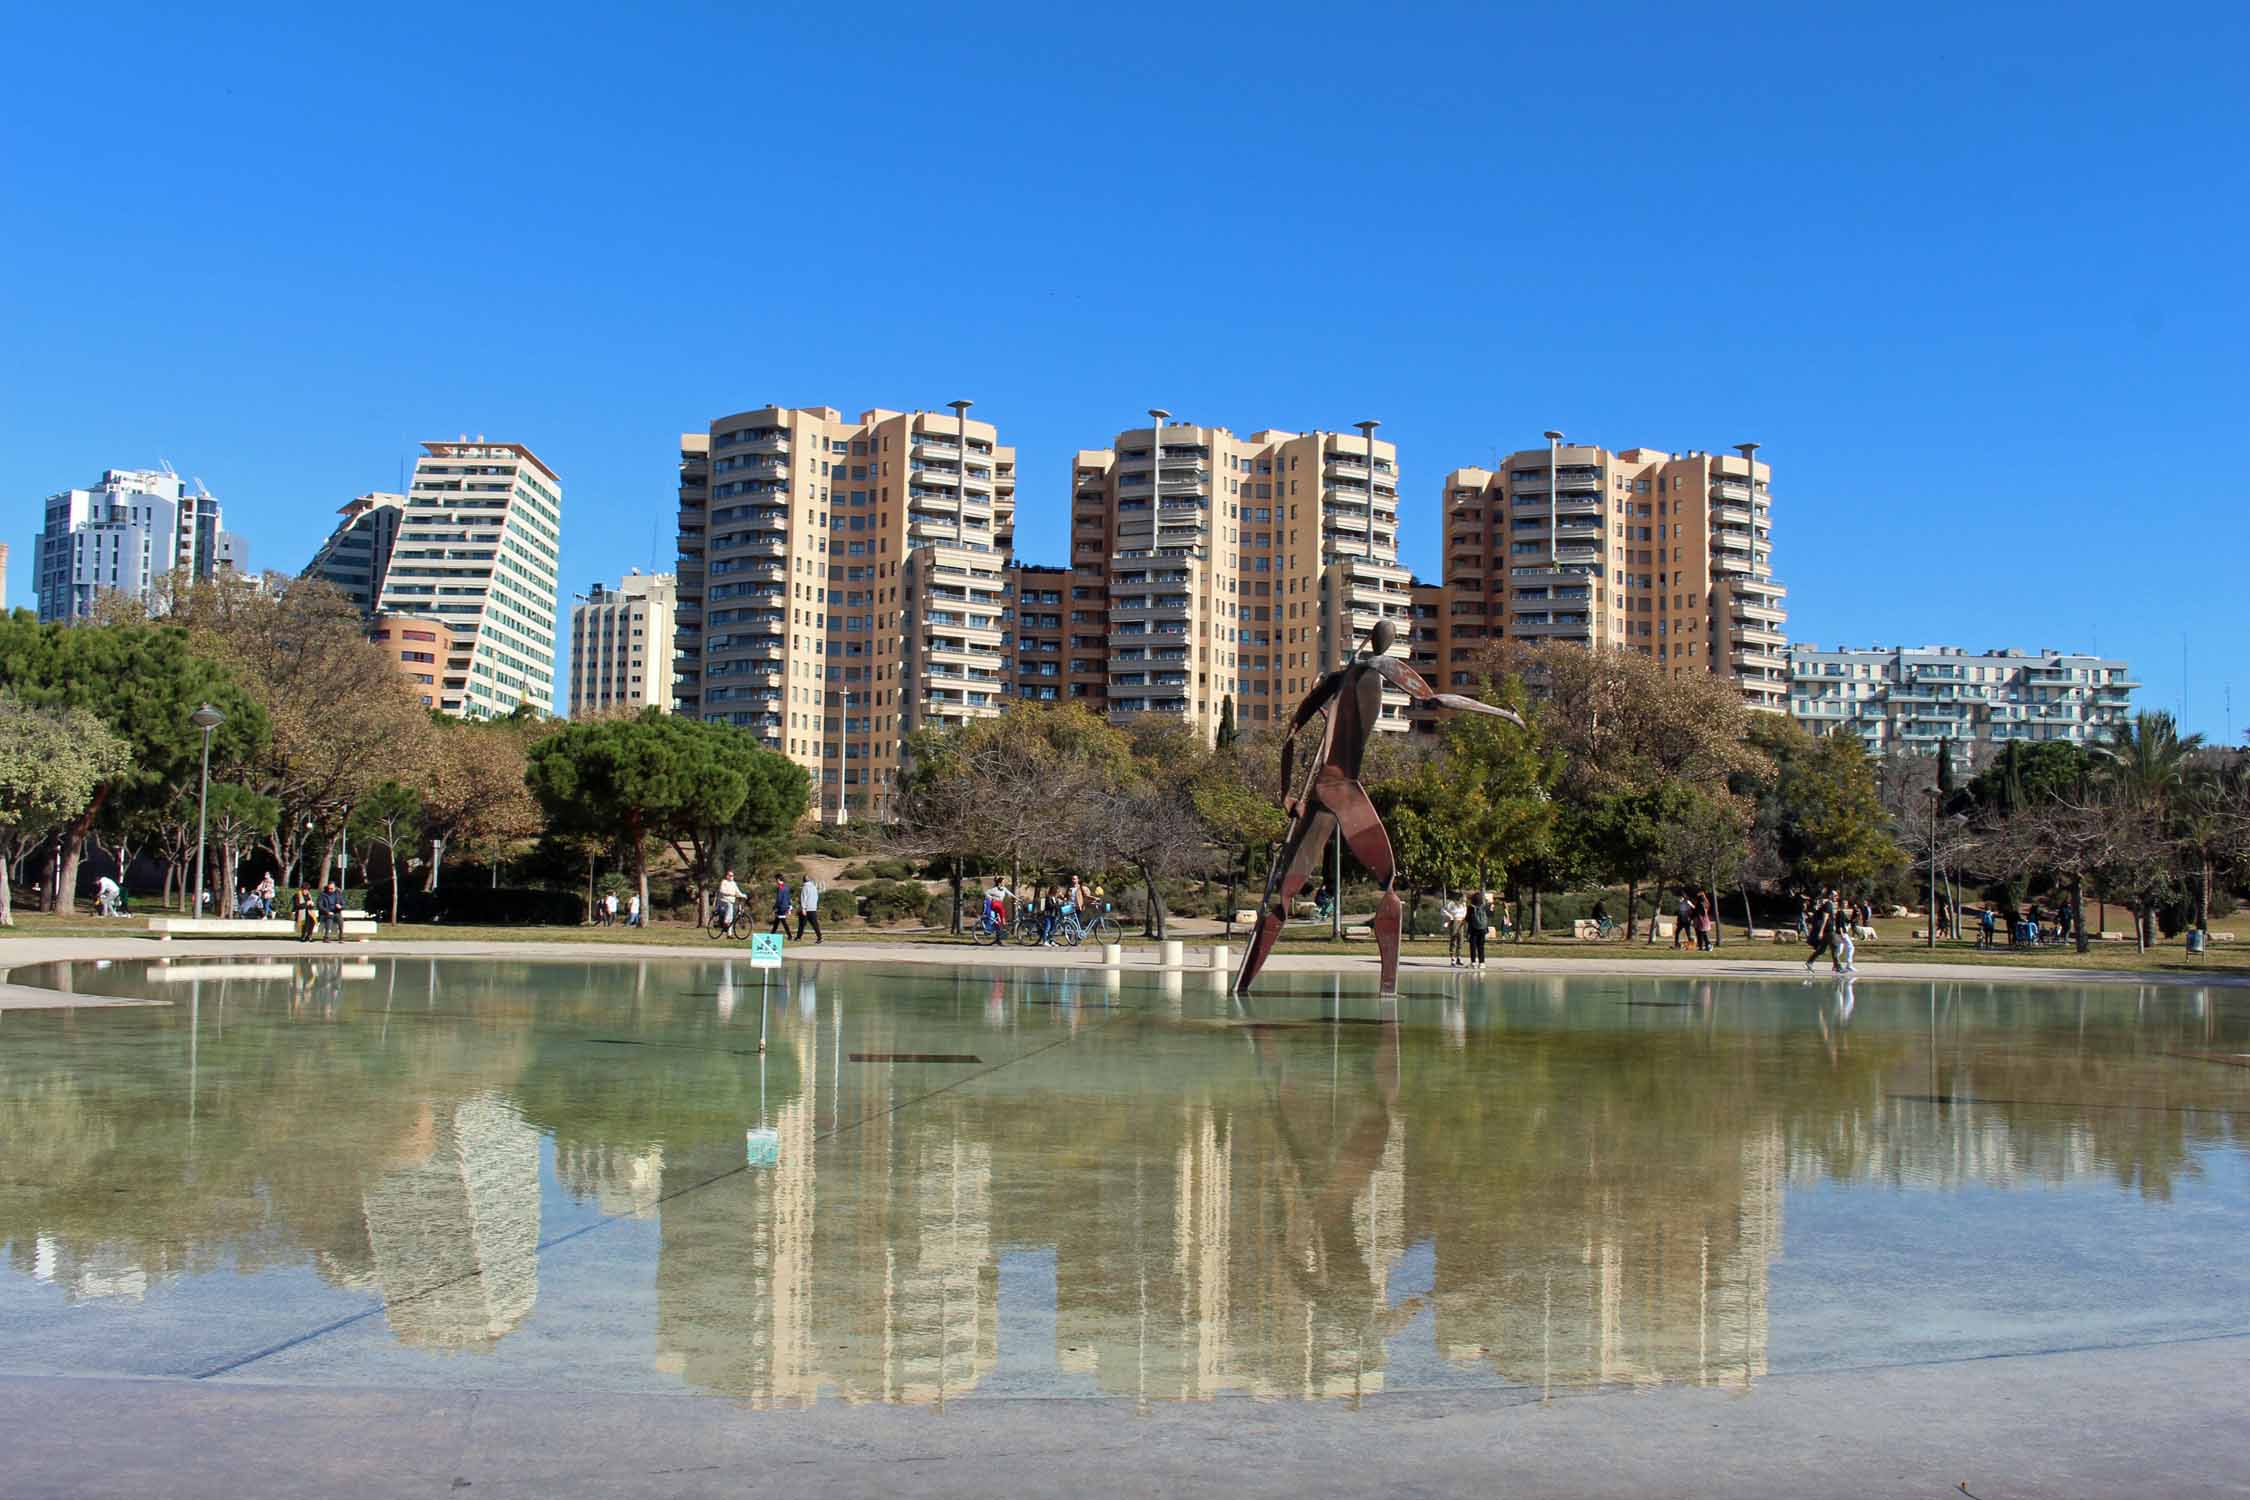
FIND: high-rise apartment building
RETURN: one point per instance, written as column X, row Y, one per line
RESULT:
column 1032, row 615
column 1668, row 555
column 840, row 584
column 622, row 645
column 1905, row 698
column 477, row 549
column 358, row 552
column 1231, row 567
column 122, row 535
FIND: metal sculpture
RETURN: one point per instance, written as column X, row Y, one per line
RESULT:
column 1332, row 796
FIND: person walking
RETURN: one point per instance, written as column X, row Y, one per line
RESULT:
column 1823, row 915
column 1683, row 921
column 1480, row 924
column 780, row 922
column 302, row 909
column 1702, row 923
column 1841, row 951
column 808, row 911
column 633, row 910
column 266, row 894
column 1985, row 926
column 331, row 908
column 1456, row 915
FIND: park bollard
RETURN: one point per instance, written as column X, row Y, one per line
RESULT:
column 1219, row 957
column 1174, row 953
column 1113, row 955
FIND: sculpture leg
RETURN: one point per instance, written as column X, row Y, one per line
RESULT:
column 1371, row 846
column 1299, row 853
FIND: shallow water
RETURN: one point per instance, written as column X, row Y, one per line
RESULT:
column 1036, row 1183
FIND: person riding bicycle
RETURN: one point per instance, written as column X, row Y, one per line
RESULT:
column 996, row 905
column 730, row 900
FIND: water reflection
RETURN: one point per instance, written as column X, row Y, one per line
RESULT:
column 1544, row 1183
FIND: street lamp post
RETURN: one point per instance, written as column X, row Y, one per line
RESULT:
column 206, row 719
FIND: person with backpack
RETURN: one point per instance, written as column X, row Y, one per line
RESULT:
column 780, row 905
column 1480, row 924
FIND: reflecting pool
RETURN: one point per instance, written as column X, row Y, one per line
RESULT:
column 940, row 1184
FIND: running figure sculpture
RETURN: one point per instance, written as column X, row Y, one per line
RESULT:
column 1333, row 796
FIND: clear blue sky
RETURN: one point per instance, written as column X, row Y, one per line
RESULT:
column 1975, row 275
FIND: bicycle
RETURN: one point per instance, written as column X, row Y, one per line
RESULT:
column 989, row 929
column 1027, row 927
column 726, row 923
column 1071, row 928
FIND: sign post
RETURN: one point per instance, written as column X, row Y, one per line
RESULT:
column 765, row 954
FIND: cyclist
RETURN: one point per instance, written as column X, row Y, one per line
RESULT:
column 730, row 901
column 996, row 905
column 1602, row 924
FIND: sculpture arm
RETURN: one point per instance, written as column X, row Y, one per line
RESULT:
column 1410, row 682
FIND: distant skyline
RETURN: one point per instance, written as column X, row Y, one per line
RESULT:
column 1972, row 277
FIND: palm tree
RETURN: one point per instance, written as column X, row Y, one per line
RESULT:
column 2147, row 758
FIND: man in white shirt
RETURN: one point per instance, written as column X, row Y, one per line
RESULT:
column 105, row 897
column 808, row 911
column 730, row 899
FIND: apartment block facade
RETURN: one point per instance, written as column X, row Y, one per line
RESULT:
column 1033, row 611
column 840, row 584
column 1668, row 555
column 1914, row 699
column 477, row 549
column 357, row 553
column 123, row 534
column 622, row 645
column 1229, row 567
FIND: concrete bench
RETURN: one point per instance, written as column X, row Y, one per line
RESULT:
column 164, row 929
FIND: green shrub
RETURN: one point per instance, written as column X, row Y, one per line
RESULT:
column 482, row 906
column 886, row 903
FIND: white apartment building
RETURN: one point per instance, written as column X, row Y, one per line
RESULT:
column 1915, row 698
column 621, row 645
column 123, row 534
column 477, row 549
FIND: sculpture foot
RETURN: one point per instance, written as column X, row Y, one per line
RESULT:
column 1261, row 944
column 1386, row 927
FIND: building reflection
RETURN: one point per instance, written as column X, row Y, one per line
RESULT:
column 454, row 1237
column 1526, row 1186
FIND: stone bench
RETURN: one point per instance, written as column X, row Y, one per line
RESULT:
column 164, row 929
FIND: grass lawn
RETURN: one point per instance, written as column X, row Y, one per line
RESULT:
column 2169, row 957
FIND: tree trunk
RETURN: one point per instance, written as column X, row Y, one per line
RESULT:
column 7, row 898
column 1534, row 929
column 958, row 877
column 64, row 897
column 1749, row 922
column 226, row 877
column 2078, row 912
column 1632, row 905
column 1155, row 924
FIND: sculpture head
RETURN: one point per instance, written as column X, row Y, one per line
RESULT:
column 1380, row 638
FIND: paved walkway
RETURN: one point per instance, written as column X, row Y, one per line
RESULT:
column 2146, row 1421
column 16, row 952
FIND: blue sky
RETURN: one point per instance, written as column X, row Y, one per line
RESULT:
column 1973, row 275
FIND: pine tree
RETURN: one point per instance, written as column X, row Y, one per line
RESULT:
column 1226, row 722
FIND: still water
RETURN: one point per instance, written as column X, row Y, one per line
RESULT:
column 936, row 1185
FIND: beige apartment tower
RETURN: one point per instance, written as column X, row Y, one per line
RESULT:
column 1668, row 555
column 1231, row 567
column 621, row 645
column 840, row 584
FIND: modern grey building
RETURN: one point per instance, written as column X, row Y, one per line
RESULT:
column 122, row 535
column 1915, row 698
column 358, row 552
